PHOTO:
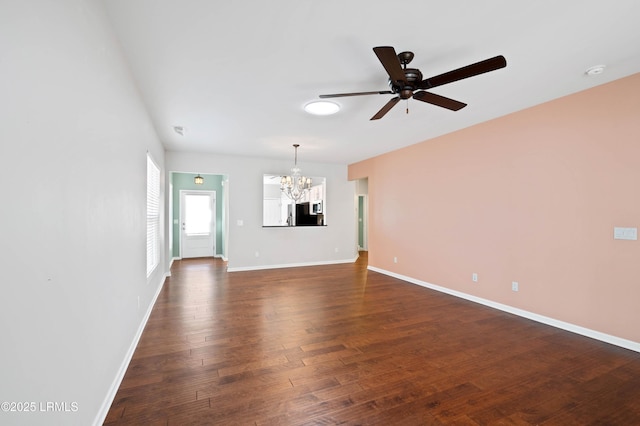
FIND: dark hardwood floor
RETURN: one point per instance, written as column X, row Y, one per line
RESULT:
column 338, row 344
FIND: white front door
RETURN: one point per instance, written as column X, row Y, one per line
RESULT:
column 197, row 223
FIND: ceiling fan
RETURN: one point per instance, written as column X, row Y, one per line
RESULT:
column 408, row 83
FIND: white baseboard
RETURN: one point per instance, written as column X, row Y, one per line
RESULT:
column 106, row 404
column 291, row 265
column 607, row 338
column 173, row 259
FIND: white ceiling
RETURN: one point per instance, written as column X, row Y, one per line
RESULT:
column 237, row 74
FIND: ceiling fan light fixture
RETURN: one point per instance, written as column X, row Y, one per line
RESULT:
column 322, row 107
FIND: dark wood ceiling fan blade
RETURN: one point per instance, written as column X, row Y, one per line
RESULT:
column 390, row 62
column 438, row 100
column 481, row 67
column 385, row 109
column 340, row 95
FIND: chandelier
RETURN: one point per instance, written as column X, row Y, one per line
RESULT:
column 296, row 185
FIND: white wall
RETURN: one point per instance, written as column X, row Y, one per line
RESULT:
column 277, row 246
column 73, row 142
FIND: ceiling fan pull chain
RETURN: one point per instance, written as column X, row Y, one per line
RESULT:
column 407, row 106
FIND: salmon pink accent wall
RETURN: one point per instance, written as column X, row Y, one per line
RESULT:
column 531, row 197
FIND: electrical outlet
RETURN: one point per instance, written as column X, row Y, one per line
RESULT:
column 474, row 277
column 257, row 254
column 395, row 259
column 515, row 286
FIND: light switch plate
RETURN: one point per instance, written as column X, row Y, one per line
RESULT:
column 625, row 233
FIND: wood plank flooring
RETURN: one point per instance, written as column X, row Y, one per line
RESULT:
column 338, row 344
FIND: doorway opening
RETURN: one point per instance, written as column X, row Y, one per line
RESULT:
column 197, row 223
column 362, row 214
column 185, row 181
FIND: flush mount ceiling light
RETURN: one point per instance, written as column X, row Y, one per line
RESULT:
column 322, row 107
column 595, row 70
column 198, row 180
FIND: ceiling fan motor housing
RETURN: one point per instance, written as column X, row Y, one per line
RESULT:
column 412, row 77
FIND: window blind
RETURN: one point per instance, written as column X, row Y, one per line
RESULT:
column 153, row 215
